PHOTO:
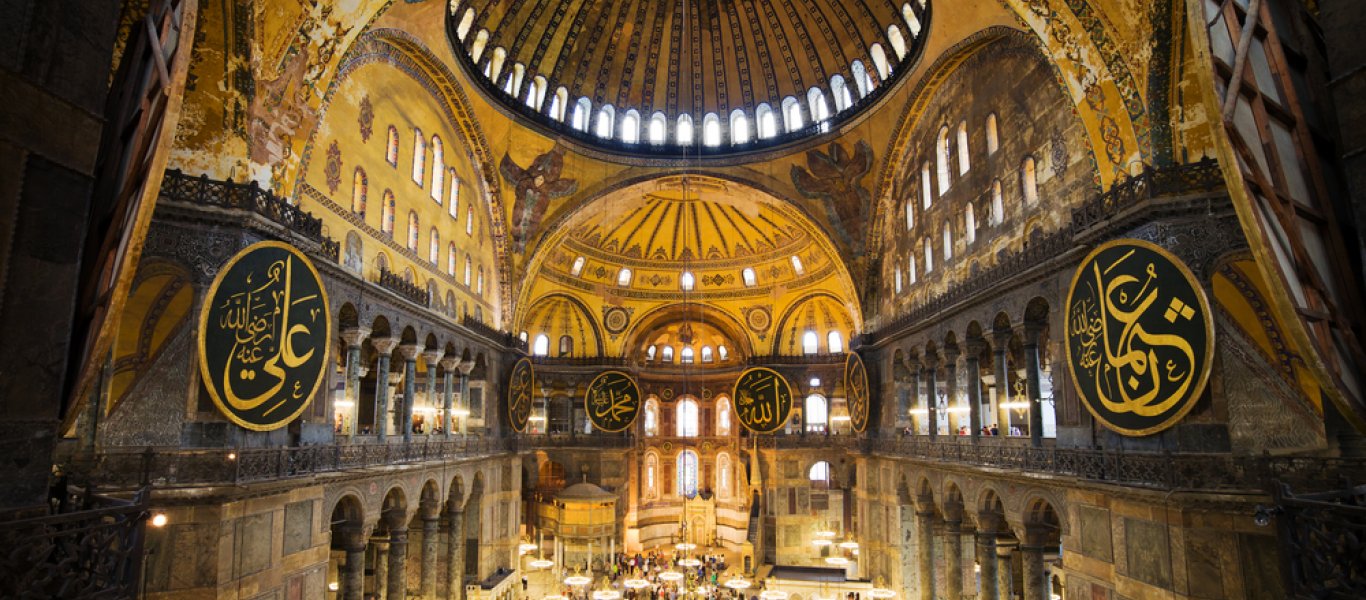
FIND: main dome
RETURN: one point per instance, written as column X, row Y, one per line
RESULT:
column 700, row 76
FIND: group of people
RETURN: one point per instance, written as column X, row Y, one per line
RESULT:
column 963, row 430
column 705, row 580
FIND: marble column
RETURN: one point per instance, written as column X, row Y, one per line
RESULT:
column 951, row 387
column 409, row 352
column 353, row 338
column 1002, row 375
column 381, row 574
column 398, row 562
column 1031, row 352
column 431, row 358
column 465, row 369
column 953, row 559
column 431, row 532
column 915, row 395
column 455, row 555
column 448, row 366
column 924, row 541
column 1031, row 565
column 1006, row 583
column 931, row 403
column 353, row 571
column 989, row 585
column 972, row 364
column 383, row 348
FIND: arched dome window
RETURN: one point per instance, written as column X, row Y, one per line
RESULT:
column 1029, row 181
column 820, row 111
column 541, row 346
column 792, row 114
column 536, row 96
column 651, row 476
column 810, row 343
column 964, row 160
column 819, row 475
column 454, row 205
column 766, row 122
column 578, row 267
column 910, row 214
column 630, row 127
column 993, row 135
column 797, row 266
column 413, row 233
column 659, row 125
column 559, row 104
column 359, row 185
column 683, row 135
column 998, row 205
column 606, row 120
column 722, row 415
column 469, row 270
column 386, row 220
column 687, row 418
column 419, row 157
column 450, row 259
column 687, row 281
column 707, row 354
column 836, row 342
column 624, row 277
column 651, row 417
column 711, row 130
column 817, row 413
column 481, row 41
column 687, row 473
column 582, row 110
column 912, row 22
column 862, row 80
column 434, row 247
column 941, row 160
column 438, row 170
column 391, row 150
column 687, row 355
column 496, row 63
column 566, row 346
column 667, row 355
column 747, row 274
column 518, row 76
column 466, row 22
column 884, row 70
column 841, row 93
column 926, row 189
column 739, row 127
column 650, row 353
column 722, row 353
column 898, row 43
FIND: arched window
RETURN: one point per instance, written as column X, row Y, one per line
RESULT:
column 453, row 207
column 624, row 277
column 481, row 41
column 687, row 473
column 722, row 415
column 450, row 259
column 722, row 353
column 884, row 70
column 929, row 256
column 630, row 127
column 496, row 63
column 412, row 231
column 941, row 159
column 559, row 103
column 566, row 346
column 862, row 80
column 898, row 43
column 711, row 130
column 819, row 475
column 910, row 214
column 535, row 96
column 1029, row 182
column 739, row 127
column 419, row 157
column 707, row 354
column 792, row 114
column 910, row 273
column 469, row 268
column 820, row 111
column 687, row 281
column 964, row 161
column 683, row 133
column 353, row 256
column 912, row 22
column 687, row 417
column 578, row 266
column 466, row 22
column 386, row 221
column 993, row 139
column 766, row 122
column 687, row 356
column 926, row 186
column 658, row 128
column 391, row 150
column 897, row 281
column 747, row 274
column 541, row 347
column 479, row 283
column 843, row 100
column 948, row 241
column 810, row 343
column 817, row 413
column 651, row 475
column 359, row 185
column 723, row 475
column 998, row 205
column 651, row 417
column 667, row 355
column 469, row 220
column 607, row 118
column 434, row 247
column 650, row 353
column 835, row 341
column 581, row 112
column 797, row 266
column 514, row 83
column 970, row 223
column 438, row 170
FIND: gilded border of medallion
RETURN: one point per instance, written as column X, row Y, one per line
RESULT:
column 640, row 398
column 207, row 304
column 855, row 359
column 1206, row 317
column 531, row 368
column 792, row 400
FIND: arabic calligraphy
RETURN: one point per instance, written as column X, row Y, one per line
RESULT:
column 856, row 391
column 1138, row 337
column 520, row 388
column 263, row 336
column 612, row 401
column 763, row 400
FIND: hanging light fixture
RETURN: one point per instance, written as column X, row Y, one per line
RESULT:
column 738, row 583
column 636, row 584
column 670, row 576
column 773, row 595
column 541, row 563
column 577, row 580
column 838, row 561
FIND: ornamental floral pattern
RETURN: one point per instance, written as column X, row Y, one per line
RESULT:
column 333, row 169
column 366, row 119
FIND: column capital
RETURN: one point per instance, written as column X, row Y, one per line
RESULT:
column 466, row 367
column 432, row 357
column 1031, row 332
column 950, row 354
column 929, row 361
column 384, row 345
column 1002, row 340
column 355, row 336
column 361, row 372
column 989, row 522
column 450, row 363
column 974, row 347
column 410, row 352
column 352, row 537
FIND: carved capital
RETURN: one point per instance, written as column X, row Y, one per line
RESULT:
column 410, row 352
column 384, row 345
column 431, row 357
column 450, row 363
column 354, row 337
column 466, row 368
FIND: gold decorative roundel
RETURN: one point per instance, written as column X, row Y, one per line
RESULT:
column 612, row 401
column 521, row 387
column 615, row 320
column 1139, row 337
column 758, row 319
column 856, row 391
column 763, row 400
column 264, row 333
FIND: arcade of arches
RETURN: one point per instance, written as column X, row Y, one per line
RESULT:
column 505, row 200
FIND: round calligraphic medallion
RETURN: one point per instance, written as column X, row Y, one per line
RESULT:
column 763, row 399
column 856, row 391
column 1139, row 337
column 263, row 336
column 616, row 319
column 521, row 386
column 612, row 401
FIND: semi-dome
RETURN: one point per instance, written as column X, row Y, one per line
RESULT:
column 709, row 76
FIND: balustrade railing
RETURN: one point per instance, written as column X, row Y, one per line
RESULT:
column 492, row 333
column 397, row 284
column 1324, row 535
column 179, row 187
column 176, row 467
column 94, row 551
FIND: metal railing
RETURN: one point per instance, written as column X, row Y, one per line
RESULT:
column 95, row 551
column 410, row 291
column 174, row 467
column 1324, row 537
column 179, row 187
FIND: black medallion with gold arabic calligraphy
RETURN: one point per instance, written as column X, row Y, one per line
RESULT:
column 612, row 401
column 263, row 336
column 1139, row 337
column 856, row 391
column 521, row 387
column 763, row 400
